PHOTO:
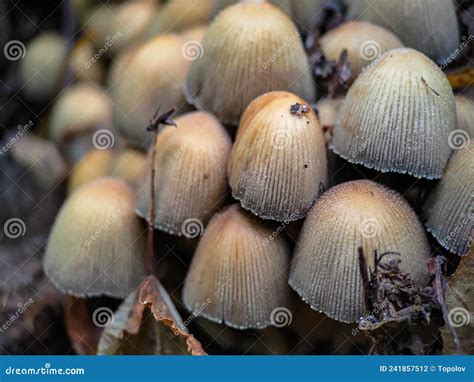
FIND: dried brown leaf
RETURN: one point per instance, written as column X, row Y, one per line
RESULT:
column 147, row 322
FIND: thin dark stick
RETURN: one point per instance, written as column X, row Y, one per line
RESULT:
column 365, row 278
column 155, row 122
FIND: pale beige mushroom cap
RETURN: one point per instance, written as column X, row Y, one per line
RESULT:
column 190, row 178
column 397, row 116
column 364, row 42
column 238, row 275
column 325, row 269
column 278, row 162
column 42, row 65
column 429, row 26
column 97, row 244
column 249, row 49
column 81, row 108
column 151, row 76
column 450, row 207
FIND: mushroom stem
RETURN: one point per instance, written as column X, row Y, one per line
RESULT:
column 150, row 245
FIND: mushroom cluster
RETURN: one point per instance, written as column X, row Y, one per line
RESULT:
column 221, row 128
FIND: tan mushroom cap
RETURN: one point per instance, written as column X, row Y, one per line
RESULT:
column 397, row 116
column 249, row 49
column 117, row 26
column 278, row 161
column 82, row 108
column 325, row 268
column 450, row 207
column 97, row 244
column 238, row 274
column 190, row 179
column 465, row 112
column 151, row 75
column 128, row 165
column 363, row 41
column 42, row 64
column 429, row 26
column 181, row 15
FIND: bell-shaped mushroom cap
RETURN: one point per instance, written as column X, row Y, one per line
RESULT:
column 363, row 41
column 97, row 244
column 82, row 108
column 397, row 116
column 82, row 63
column 429, row 26
column 152, row 75
column 190, row 178
column 465, row 112
column 117, row 26
column 248, row 50
column 179, row 15
column 42, row 64
column 40, row 157
column 325, row 268
column 238, row 274
column 450, row 207
column 278, row 161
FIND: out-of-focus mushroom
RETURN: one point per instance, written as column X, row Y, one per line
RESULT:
column 42, row 158
column 149, row 76
column 450, row 207
column 278, row 162
column 249, row 49
column 363, row 41
column 97, row 244
column 397, row 116
column 430, row 26
column 81, row 119
column 325, row 269
column 42, row 66
column 238, row 276
column 191, row 179
column 128, row 165
column 180, row 15
column 117, row 26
